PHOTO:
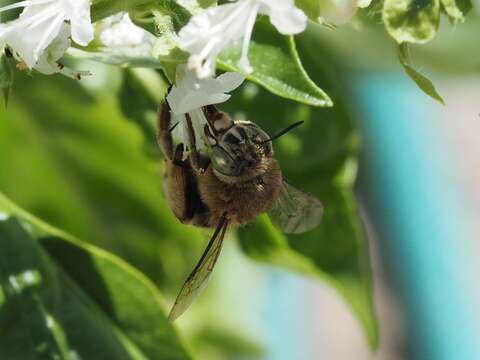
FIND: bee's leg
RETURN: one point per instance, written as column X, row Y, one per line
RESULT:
column 181, row 191
column 164, row 136
column 219, row 121
column 210, row 111
column 178, row 155
column 176, row 189
column 198, row 163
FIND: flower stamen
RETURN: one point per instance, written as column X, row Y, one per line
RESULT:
column 22, row 66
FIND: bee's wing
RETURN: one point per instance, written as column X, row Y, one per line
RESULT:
column 197, row 280
column 295, row 211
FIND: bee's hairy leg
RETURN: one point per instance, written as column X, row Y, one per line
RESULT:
column 199, row 164
column 178, row 155
column 164, row 136
column 210, row 111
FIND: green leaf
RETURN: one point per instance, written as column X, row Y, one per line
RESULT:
column 6, row 76
column 206, row 3
column 168, row 18
column 412, row 21
column 140, row 96
column 276, row 66
column 91, row 176
column 422, row 82
column 177, row 13
column 321, row 158
column 79, row 164
column 456, row 9
column 464, row 6
column 318, row 10
column 103, row 8
column 64, row 299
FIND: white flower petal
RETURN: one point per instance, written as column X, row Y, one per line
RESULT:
column 122, row 32
column 81, row 22
column 180, row 133
column 339, row 12
column 47, row 62
column 199, row 121
column 216, row 99
column 39, row 25
column 229, row 81
column 190, row 93
column 32, row 32
column 194, row 100
column 212, row 30
column 285, row 16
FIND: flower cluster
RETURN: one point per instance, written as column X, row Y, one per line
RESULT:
column 214, row 29
column 208, row 33
column 39, row 37
column 45, row 29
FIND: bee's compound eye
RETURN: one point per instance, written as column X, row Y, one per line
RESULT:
column 261, row 137
column 223, row 162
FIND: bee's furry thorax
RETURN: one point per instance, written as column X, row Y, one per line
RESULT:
column 241, row 200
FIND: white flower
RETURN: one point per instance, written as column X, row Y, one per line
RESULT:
column 339, row 12
column 190, row 94
column 122, row 32
column 212, row 30
column 124, row 44
column 41, row 22
column 48, row 62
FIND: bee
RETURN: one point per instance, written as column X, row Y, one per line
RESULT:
column 233, row 183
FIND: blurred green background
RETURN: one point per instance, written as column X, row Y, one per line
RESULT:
column 81, row 156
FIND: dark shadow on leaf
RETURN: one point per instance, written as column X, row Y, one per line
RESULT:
column 80, row 267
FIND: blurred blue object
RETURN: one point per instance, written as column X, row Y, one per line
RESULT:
column 286, row 333
column 429, row 242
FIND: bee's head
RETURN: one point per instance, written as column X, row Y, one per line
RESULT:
column 241, row 152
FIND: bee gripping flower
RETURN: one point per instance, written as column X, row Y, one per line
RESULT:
column 42, row 22
column 212, row 30
column 191, row 93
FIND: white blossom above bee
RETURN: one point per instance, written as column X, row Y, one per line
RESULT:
column 190, row 94
column 40, row 31
column 212, row 30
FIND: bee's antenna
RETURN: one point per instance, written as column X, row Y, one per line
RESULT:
column 283, row 132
